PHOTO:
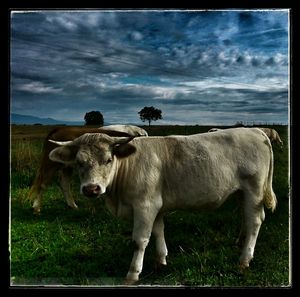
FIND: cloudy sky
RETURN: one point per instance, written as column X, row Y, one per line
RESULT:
column 198, row 67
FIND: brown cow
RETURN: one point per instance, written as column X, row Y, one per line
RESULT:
column 49, row 168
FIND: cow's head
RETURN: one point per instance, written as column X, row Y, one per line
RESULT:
column 95, row 156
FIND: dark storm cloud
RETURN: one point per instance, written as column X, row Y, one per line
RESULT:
column 234, row 100
column 115, row 60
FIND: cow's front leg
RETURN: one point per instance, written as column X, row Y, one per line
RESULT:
column 144, row 217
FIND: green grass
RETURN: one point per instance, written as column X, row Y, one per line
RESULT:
column 90, row 247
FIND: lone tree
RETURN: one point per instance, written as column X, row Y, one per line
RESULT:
column 94, row 118
column 150, row 113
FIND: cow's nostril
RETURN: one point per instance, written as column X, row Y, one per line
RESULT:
column 97, row 189
column 91, row 190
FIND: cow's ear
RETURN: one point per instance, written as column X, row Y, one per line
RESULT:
column 123, row 150
column 64, row 154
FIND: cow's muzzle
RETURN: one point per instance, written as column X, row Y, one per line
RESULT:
column 91, row 190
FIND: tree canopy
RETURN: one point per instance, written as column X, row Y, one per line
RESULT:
column 94, row 118
column 150, row 113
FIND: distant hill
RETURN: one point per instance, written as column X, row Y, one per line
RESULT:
column 20, row 119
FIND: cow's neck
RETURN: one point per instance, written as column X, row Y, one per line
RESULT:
column 115, row 189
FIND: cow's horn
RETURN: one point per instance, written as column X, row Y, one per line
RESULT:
column 61, row 142
column 122, row 140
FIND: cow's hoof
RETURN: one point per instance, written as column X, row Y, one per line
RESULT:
column 130, row 282
column 73, row 206
column 159, row 266
column 243, row 266
column 36, row 211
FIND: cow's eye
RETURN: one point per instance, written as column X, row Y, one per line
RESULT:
column 80, row 163
column 108, row 161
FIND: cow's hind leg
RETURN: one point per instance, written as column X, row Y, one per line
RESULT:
column 253, row 217
column 65, row 182
column 161, row 247
column 36, row 206
column 43, row 178
column 143, row 219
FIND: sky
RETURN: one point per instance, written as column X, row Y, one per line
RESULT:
column 215, row 67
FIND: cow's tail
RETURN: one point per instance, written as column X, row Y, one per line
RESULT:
column 39, row 179
column 279, row 140
column 45, row 171
column 269, row 199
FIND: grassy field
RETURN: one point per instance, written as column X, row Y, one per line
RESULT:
column 89, row 247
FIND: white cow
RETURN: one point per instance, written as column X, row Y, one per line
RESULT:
column 143, row 178
column 48, row 169
column 273, row 136
column 213, row 129
column 130, row 129
column 271, row 133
